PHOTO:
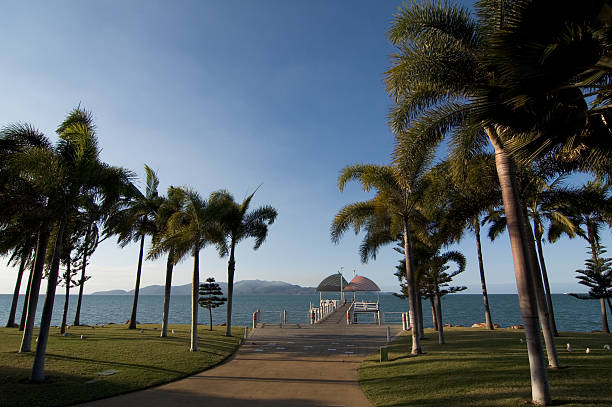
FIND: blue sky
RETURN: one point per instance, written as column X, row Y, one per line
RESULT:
column 231, row 94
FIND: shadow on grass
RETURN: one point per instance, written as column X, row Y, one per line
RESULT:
column 18, row 391
column 115, row 363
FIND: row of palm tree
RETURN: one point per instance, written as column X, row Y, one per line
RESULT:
column 522, row 84
column 59, row 201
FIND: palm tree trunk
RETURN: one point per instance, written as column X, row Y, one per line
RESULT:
column 167, row 289
column 416, row 344
column 77, row 315
column 67, row 299
column 551, row 314
column 439, row 317
column 11, row 319
column 38, row 368
column 210, row 314
column 26, row 299
column 483, row 283
column 231, row 268
column 433, row 314
column 39, row 264
column 420, row 315
column 544, row 316
column 506, row 171
column 132, row 324
column 604, row 317
column 195, row 292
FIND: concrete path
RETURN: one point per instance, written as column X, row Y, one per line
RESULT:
column 296, row 365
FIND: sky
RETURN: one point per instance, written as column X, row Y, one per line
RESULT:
column 232, row 94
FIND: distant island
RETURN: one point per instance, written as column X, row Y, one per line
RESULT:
column 240, row 288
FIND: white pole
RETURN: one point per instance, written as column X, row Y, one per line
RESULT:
column 388, row 334
column 341, row 289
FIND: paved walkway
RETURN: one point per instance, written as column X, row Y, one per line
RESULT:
column 296, row 365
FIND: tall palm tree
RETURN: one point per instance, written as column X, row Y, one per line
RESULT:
column 420, row 253
column 93, row 214
column 545, row 203
column 189, row 230
column 399, row 190
column 471, row 189
column 169, row 206
column 240, row 224
column 134, row 222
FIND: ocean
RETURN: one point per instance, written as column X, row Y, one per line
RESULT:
column 571, row 313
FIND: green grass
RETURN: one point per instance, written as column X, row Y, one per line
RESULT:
column 482, row 368
column 143, row 359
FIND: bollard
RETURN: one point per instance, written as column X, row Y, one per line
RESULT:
column 384, row 354
column 246, row 332
column 403, row 321
column 378, row 317
column 388, row 334
column 348, row 317
column 254, row 319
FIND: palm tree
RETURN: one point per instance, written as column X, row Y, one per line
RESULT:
column 93, row 214
column 64, row 174
column 451, row 73
column 399, row 190
column 421, row 252
column 240, row 224
column 189, row 230
column 545, row 204
column 24, row 203
column 597, row 275
column 471, row 189
column 19, row 245
column 552, row 83
column 589, row 208
column 169, row 206
column 135, row 221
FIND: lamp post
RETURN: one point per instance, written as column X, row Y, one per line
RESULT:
column 341, row 292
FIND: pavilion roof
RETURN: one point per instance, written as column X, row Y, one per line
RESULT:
column 332, row 283
column 361, row 283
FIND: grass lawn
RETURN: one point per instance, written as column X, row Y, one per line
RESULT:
column 143, row 360
column 482, row 368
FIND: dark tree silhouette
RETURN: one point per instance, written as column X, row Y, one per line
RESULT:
column 597, row 275
column 211, row 296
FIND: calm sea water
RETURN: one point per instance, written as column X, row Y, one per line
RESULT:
column 571, row 313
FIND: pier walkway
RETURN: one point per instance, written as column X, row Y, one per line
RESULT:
column 294, row 365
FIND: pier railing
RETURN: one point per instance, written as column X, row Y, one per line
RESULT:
column 325, row 309
column 261, row 317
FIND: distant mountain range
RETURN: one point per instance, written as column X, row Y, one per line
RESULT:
column 240, row 288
